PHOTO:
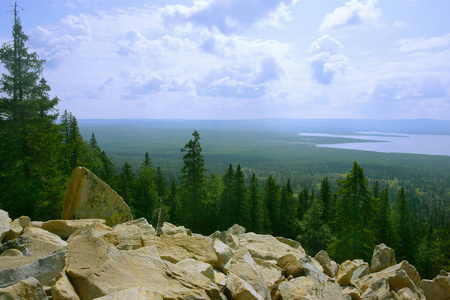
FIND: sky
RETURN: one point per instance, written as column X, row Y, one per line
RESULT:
column 241, row 59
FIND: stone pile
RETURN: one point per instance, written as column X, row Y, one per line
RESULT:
column 93, row 259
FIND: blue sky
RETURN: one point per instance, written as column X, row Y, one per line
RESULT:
column 242, row 59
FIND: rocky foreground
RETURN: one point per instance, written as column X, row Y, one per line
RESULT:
column 103, row 254
column 85, row 259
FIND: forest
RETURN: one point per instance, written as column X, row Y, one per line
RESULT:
column 267, row 182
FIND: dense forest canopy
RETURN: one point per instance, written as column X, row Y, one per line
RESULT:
column 37, row 155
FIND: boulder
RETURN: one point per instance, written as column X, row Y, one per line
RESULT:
column 20, row 243
column 360, row 272
column 291, row 243
column 44, row 270
column 134, row 293
column 219, row 278
column 43, row 243
column 291, row 266
column 129, row 233
column 380, row 288
column 238, row 289
column 224, row 253
column 12, row 252
column 298, row 288
column 178, row 247
column 382, row 258
column 63, row 289
column 97, row 268
column 329, row 291
column 311, row 270
column 236, row 230
column 16, row 227
column 352, row 292
column 438, row 288
column 227, row 238
column 65, row 228
column 170, row 229
column 267, row 247
column 407, row 294
column 4, row 224
column 88, row 197
column 28, row 288
column 270, row 271
column 243, row 266
column 369, row 294
column 345, row 272
column 330, row 267
column 192, row 265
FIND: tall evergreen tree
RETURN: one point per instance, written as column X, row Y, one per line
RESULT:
column 240, row 207
column 193, row 182
column 213, row 200
column 383, row 219
column 145, row 199
column 304, row 198
column 256, row 206
column 227, row 199
column 160, row 183
column 173, row 202
column 403, row 234
column 30, row 175
column 354, row 218
column 288, row 215
column 271, row 193
column 126, row 183
column 326, row 198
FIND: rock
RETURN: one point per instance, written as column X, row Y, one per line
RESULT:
column 380, row 288
column 224, row 253
column 170, row 229
column 151, row 251
column 351, row 291
column 407, row 294
column 267, row 247
column 129, row 233
column 311, row 270
column 227, row 238
column 63, row 289
column 360, row 272
column 21, row 243
column 37, row 224
column 192, row 265
column 97, row 268
column 219, row 278
column 16, row 227
column 382, row 258
column 65, row 228
column 43, row 243
column 4, row 224
column 236, row 230
column 369, row 294
column 345, row 272
column 178, row 247
column 44, row 270
column 438, row 288
column 9, row 262
column 238, row 289
column 12, row 252
column 329, row 266
column 291, row 243
column 329, row 291
column 88, row 197
column 28, row 288
column 134, row 293
column 243, row 266
column 398, row 276
column 291, row 266
column 270, row 271
column 298, row 288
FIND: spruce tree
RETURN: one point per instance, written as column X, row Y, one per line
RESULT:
column 326, row 197
column 227, row 199
column 145, row 199
column 193, row 182
column 288, row 218
column 403, row 234
column 240, row 206
column 173, row 202
column 160, row 183
column 256, row 206
column 271, row 194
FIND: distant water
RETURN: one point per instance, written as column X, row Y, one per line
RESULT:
column 393, row 143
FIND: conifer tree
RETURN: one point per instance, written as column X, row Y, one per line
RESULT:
column 304, row 198
column 213, row 201
column 272, row 201
column 256, row 206
column 326, row 198
column 403, row 228
column 240, row 206
column 288, row 213
column 383, row 219
column 126, row 183
column 193, row 182
column 160, row 183
column 227, row 199
column 145, row 199
column 173, row 202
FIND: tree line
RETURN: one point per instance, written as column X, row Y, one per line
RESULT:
column 38, row 152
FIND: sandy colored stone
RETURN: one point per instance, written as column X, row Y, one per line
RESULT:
column 298, row 288
column 352, row 292
column 129, row 233
column 238, row 289
column 29, row 289
column 382, row 258
column 438, row 288
column 270, row 271
column 88, row 197
column 170, row 229
column 329, row 291
column 134, row 293
column 224, row 253
column 65, row 228
column 219, row 278
column 327, row 264
column 12, row 252
column 228, row 239
column 97, row 268
column 63, row 289
column 192, row 265
column 345, row 272
column 43, row 243
column 236, row 230
column 267, row 247
column 178, row 247
column 16, row 227
column 291, row 243
column 4, row 224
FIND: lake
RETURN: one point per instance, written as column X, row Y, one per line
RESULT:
column 392, row 142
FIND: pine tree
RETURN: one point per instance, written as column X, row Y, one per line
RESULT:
column 160, row 183
column 256, row 206
column 227, row 199
column 213, row 200
column 240, row 206
column 354, row 218
column 304, row 199
column 30, row 176
column 126, row 183
column 272, row 201
column 173, row 202
column 193, row 182
column 326, row 198
column 145, row 199
column 288, row 218
column 383, row 219
column 403, row 228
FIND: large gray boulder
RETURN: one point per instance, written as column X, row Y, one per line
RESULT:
column 382, row 258
column 43, row 243
column 44, row 270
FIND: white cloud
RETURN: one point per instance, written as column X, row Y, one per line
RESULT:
column 327, row 60
column 423, row 44
column 353, row 12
